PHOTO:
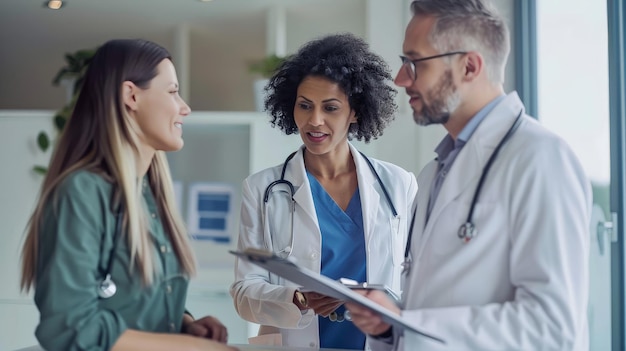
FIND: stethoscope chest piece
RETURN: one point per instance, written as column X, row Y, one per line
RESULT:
column 107, row 288
column 467, row 231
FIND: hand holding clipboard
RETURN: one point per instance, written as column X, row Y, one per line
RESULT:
column 313, row 281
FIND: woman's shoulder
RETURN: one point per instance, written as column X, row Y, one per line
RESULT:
column 274, row 172
column 84, row 183
column 81, row 193
column 262, row 178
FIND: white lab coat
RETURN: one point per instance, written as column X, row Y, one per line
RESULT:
column 522, row 282
column 267, row 299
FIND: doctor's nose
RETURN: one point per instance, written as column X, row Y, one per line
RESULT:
column 403, row 79
column 316, row 118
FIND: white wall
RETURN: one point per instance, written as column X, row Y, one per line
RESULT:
column 18, row 190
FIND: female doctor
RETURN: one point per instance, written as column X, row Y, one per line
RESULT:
column 343, row 215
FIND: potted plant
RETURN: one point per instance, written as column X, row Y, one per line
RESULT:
column 71, row 76
column 264, row 69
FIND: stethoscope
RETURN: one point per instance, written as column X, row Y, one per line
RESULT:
column 290, row 193
column 467, row 231
column 107, row 287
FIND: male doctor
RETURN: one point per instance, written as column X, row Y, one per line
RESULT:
column 519, row 282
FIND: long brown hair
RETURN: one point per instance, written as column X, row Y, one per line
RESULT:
column 97, row 138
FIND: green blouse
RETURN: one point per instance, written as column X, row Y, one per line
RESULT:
column 76, row 241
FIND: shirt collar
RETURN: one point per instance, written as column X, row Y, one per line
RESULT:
column 473, row 123
column 448, row 144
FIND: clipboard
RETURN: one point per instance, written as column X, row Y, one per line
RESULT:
column 312, row 281
column 366, row 286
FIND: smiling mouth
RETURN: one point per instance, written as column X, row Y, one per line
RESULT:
column 178, row 125
column 316, row 134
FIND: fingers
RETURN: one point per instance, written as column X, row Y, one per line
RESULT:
column 325, row 310
column 220, row 333
column 218, row 330
column 210, row 328
column 321, row 304
column 367, row 320
column 197, row 329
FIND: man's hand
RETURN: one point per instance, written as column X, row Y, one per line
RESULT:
column 207, row 327
column 368, row 321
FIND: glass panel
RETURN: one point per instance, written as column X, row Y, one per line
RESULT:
column 573, row 101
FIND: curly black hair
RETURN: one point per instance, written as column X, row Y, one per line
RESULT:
column 346, row 60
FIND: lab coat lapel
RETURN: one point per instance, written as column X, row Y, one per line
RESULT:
column 370, row 197
column 426, row 176
column 464, row 172
column 469, row 164
column 296, row 173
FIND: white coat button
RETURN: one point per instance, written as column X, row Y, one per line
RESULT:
column 314, row 255
column 287, row 249
column 163, row 248
column 168, row 289
column 172, row 327
column 153, row 215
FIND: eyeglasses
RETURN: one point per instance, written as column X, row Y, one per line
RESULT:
column 409, row 64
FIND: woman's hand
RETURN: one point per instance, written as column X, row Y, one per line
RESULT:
column 321, row 304
column 207, row 327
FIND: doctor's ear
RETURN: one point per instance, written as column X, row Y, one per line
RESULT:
column 473, row 65
column 353, row 117
column 129, row 95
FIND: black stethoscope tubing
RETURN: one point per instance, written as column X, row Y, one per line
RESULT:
column 282, row 180
column 468, row 229
column 107, row 287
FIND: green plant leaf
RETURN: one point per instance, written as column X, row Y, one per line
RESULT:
column 267, row 66
column 59, row 121
column 60, row 75
column 43, row 141
column 76, row 67
column 40, row 169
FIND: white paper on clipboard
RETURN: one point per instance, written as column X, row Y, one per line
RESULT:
column 312, row 281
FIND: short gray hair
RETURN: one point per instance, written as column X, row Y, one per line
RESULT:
column 468, row 25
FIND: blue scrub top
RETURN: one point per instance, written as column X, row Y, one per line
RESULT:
column 343, row 256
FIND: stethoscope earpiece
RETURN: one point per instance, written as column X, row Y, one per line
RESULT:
column 107, row 288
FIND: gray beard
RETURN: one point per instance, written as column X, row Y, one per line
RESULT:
column 444, row 99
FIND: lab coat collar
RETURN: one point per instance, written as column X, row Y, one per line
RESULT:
column 370, row 198
column 296, row 174
column 470, row 162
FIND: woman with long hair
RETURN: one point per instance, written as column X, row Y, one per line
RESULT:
column 106, row 251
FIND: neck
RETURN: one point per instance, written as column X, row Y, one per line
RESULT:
column 144, row 159
column 471, row 105
column 329, row 165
